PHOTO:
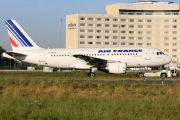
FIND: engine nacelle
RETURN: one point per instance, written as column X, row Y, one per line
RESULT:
column 117, row 67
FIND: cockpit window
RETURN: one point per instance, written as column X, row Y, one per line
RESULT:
column 160, row 53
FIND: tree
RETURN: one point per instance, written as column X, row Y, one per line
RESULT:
column 1, row 51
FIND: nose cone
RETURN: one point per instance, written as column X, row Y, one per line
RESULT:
column 168, row 59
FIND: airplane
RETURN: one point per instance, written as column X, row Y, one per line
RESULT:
column 112, row 60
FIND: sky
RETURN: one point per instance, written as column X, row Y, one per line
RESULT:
column 41, row 19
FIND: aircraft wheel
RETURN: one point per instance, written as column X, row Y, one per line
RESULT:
column 91, row 74
column 141, row 75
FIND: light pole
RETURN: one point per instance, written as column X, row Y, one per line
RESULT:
column 60, row 31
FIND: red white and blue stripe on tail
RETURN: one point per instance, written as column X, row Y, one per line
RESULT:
column 17, row 37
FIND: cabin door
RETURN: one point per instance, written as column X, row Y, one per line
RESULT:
column 147, row 55
column 41, row 56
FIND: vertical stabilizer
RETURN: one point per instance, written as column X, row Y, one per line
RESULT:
column 19, row 39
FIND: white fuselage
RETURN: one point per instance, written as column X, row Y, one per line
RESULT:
column 63, row 58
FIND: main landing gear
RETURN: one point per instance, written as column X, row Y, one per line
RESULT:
column 91, row 73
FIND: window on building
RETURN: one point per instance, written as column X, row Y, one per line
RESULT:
column 140, row 44
column 115, row 25
column 115, row 37
column 149, row 20
column 131, row 32
column 106, row 19
column 139, row 13
column 90, row 43
column 149, row 32
column 166, row 32
column 82, row 18
column 123, row 31
column 166, row 50
column 123, row 26
column 123, row 37
column 167, row 13
column 114, row 43
column 140, row 32
column 90, row 25
column 174, row 26
column 174, row 62
column 122, row 43
column 140, row 20
column 99, row 25
column 98, row 31
column 90, row 31
column 166, row 44
column 140, row 26
column 131, row 20
column 149, row 38
column 174, row 38
column 174, row 56
column 82, row 42
column 82, row 24
column 106, row 31
column 174, row 50
column 166, row 26
column 149, row 26
column 166, row 38
column 90, row 36
column 98, row 43
column 174, row 20
column 106, row 25
column 98, row 37
column 106, row 43
column 98, row 19
column 175, row 13
column 174, row 44
column 82, row 30
column 131, row 43
column 149, row 13
column 166, row 20
column 90, row 19
column 106, row 37
column 131, row 26
column 123, row 20
column 131, row 38
column 148, row 44
column 140, row 38
column 115, row 31
column 115, row 19
column 82, row 36
column 174, row 32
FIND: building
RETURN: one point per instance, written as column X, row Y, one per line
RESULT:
column 144, row 23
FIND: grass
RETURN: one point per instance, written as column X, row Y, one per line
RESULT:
column 55, row 96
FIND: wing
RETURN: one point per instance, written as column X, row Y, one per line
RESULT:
column 93, row 61
column 15, row 54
